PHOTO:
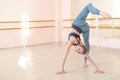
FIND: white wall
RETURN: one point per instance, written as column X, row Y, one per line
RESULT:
column 35, row 9
column 66, row 9
column 12, row 10
column 14, row 38
column 58, row 10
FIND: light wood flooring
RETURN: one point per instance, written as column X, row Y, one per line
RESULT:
column 43, row 61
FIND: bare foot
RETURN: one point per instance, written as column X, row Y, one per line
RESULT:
column 85, row 65
column 61, row 72
column 99, row 71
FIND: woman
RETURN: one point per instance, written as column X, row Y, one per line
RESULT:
column 81, row 26
column 74, row 40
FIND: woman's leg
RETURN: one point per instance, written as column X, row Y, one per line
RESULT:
column 93, row 9
column 96, row 11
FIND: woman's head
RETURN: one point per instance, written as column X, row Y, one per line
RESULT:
column 81, row 49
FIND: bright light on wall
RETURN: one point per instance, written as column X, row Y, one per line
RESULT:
column 25, row 25
column 25, row 29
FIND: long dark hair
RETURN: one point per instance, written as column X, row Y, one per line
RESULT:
column 84, row 49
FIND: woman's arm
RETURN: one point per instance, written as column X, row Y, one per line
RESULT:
column 65, row 58
column 94, row 64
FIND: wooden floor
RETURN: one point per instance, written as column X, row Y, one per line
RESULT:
column 43, row 61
